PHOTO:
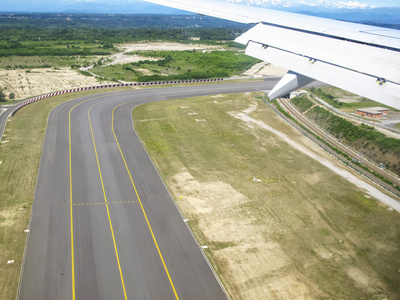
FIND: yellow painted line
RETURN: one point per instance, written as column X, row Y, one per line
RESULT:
column 70, row 198
column 140, row 202
column 70, row 208
column 71, row 202
column 99, row 203
column 105, row 199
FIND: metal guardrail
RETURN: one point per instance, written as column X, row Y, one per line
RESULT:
column 24, row 103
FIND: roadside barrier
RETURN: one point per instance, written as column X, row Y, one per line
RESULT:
column 22, row 104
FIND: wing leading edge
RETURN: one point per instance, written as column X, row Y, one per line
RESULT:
column 359, row 58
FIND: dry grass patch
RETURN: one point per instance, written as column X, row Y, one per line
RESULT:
column 165, row 46
column 43, row 81
column 299, row 231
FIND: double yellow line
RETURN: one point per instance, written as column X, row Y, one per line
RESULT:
column 140, row 202
column 105, row 199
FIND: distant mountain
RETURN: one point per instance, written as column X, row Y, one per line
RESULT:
column 387, row 15
column 351, row 11
column 348, row 11
column 92, row 7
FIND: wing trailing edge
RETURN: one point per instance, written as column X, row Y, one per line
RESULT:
column 359, row 58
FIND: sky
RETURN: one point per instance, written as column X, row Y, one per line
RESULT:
column 136, row 6
column 332, row 3
column 339, row 3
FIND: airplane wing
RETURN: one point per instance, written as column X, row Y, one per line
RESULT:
column 362, row 59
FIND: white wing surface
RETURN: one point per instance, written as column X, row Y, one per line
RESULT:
column 359, row 58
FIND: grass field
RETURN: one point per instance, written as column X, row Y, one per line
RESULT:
column 178, row 65
column 278, row 225
column 350, row 102
column 20, row 151
column 30, row 62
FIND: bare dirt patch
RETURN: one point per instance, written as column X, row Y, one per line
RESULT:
column 218, row 207
column 165, row 46
column 354, row 99
column 264, row 68
column 145, row 71
column 149, row 120
column 43, row 81
column 358, row 276
column 8, row 217
column 122, row 58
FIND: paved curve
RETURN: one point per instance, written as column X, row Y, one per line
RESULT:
column 83, row 242
column 4, row 117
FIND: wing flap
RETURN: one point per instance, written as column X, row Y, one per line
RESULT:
column 382, row 63
column 249, row 14
column 349, row 80
column 359, row 58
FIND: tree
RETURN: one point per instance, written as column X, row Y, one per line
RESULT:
column 2, row 96
column 11, row 96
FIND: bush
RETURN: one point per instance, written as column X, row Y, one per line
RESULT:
column 2, row 96
column 302, row 103
column 357, row 136
column 326, row 97
column 85, row 73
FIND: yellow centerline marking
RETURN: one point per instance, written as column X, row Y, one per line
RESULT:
column 140, row 202
column 105, row 200
column 95, row 203
column 70, row 197
column 70, row 208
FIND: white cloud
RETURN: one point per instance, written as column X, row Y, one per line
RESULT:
column 293, row 3
column 353, row 4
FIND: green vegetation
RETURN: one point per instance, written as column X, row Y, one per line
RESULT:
column 338, row 151
column 331, row 95
column 326, row 97
column 364, row 103
column 114, row 21
column 2, row 96
column 178, row 65
column 30, row 48
column 95, row 41
column 47, row 40
column 331, row 235
column 303, row 103
column 60, row 45
column 363, row 138
column 36, row 62
column 85, row 73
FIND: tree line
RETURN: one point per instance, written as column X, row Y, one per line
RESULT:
column 97, row 41
column 114, row 21
column 363, row 137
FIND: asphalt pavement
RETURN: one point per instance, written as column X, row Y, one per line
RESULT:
column 103, row 224
column 4, row 118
